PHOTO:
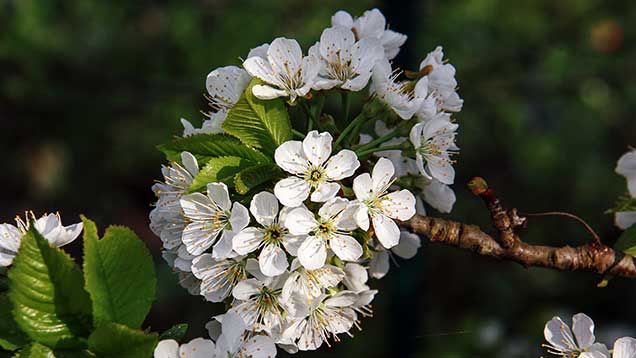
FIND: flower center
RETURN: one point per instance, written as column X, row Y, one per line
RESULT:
column 274, row 234
column 315, row 175
column 325, row 228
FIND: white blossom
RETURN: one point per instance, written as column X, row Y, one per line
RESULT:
column 371, row 25
column 211, row 216
column 330, row 230
column 434, row 143
column 345, row 62
column 571, row 342
column 626, row 167
column 375, row 201
column 196, row 348
column 406, row 249
column 440, row 78
column 314, row 169
column 270, row 236
column 235, row 341
column 218, row 277
column 303, row 286
column 439, row 196
column 404, row 97
column 285, row 71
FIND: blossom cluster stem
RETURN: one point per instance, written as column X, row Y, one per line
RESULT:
column 394, row 133
column 360, row 118
column 364, row 152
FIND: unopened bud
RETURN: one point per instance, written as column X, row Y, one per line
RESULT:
column 478, row 185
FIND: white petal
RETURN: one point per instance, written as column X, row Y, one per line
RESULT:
column 583, row 328
column 264, row 208
column 625, row 219
column 415, row 136
column 197, row 348
column 233, row 328
column 347, row 219
column 312, row 254
column 292, row 243
column 325, row 191
column 10, row 237
column 259, row 347
column 399, row 205
column 626, row 167
column 336, row 43
column 300, row 221
column 439, row 196
column 330, row 209
column 342, row 18
column 317, row 147
column 625, row 348
column 382, row 174
column 362, row 217
column 441, row 169
column 190, row 163
column 267, row 92
column 272, row 260
column 291, row 158
column 223, row 248
column 371, row 24
column 356, row 277
column 285, row 56
column 558, row 334
column 260, row 51
column 408, row 246
column 345, row 247
column 198, row 237
column 246, row 289
column 363, row 186
column 168, row 348
column 260, row 68
column 342, row 299
column 386, row 230
column 248, row 240
column 292, row 191
column 379, row 265
column 342, row 165
column 239, row 218
column 197, row 206
column 217, row 192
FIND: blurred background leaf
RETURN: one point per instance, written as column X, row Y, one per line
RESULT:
column 89, row 88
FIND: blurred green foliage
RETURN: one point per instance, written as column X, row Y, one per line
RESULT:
column 88, row 88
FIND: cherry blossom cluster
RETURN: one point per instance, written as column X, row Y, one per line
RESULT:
column 580, row 342
column 48, row 225
column 625, row 215
column 293, row 260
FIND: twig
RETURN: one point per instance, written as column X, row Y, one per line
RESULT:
column 597, row 238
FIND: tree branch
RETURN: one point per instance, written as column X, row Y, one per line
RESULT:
column 508, row 246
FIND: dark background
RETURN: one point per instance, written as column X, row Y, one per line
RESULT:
column 88, row 88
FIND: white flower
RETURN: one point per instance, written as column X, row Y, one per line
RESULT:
column 270, row 237
column 10, row 238
column 623, row 348
column 371, row 25
column 212, row 216
column 197, row 348
column 562, row 341
column 313, row 169
column 303, row 286
column 259, row 51
column 439, row 196
column 375, row 201
column 403, row 165
column 327, row 317
column 330, row 230
column 406, row 249
column 434, row 143
column 258, row 303
column 235, row 342
column 404, row 98
column 286, row 72
column 213, row 124
column 441, row 81
column 356, row 277
column 345, row 62
column 218, row 277
column 626, row 167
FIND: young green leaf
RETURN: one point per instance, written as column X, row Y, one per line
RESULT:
column 220, row 169
column 206, row 146
column 120, row 275
column 627, row 241
column 176, row 332
column 114, row 340
column 37, row 350
column 249, row 178
column 46, row 289
column 11, row 338
column 260, row 124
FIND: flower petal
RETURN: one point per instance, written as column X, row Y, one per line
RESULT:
column 239, row 217
column 168, row 348
column 379, row 265
column 317, row 147
column 439, row 196
column 382, row 174
column 292, row 191
column 342, row 165
column 197, row 348
column 345, row 247
column 300, row 221
column 399, row 205
column 583, row 328
column 625, row 219
column 248, row 240
column 218, row 193
column 559, row 335
column 273, row 260
column 264, row 208
column 363, row 186
column 268, row 92
column 246, row 289
column 259, row 347
column 325, row 191
column 291, row 158
column 625, row 348
column 312, row 254
column 386, row 230
column 408, row 246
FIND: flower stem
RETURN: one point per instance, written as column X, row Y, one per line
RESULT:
column 297, row 133
column 352, row 124
column 344, row 96
column 392, row 134
column 362, row 153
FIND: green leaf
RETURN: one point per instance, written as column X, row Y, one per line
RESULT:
column 176, row 332
column 35, row 350
column 11, row 338
column 627, row 241
column 248, row 179
column 46, row 289
column 220, row 169
column 207, row 146
column 118, row 341
column 260, row 124
column 119, row 274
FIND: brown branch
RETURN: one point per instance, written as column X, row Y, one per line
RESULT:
column 509, row 246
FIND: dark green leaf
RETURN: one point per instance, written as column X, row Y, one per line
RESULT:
column 118, row 341
column 11, row 338
column 176, row 332
column 119, row 274
column 260, row 124
column 220, row 169
column 627, row 241
column 35, row 350
column 206, row 146
column 46, row 289
column 249, row 178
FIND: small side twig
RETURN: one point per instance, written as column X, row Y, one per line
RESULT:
column 589, row 229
